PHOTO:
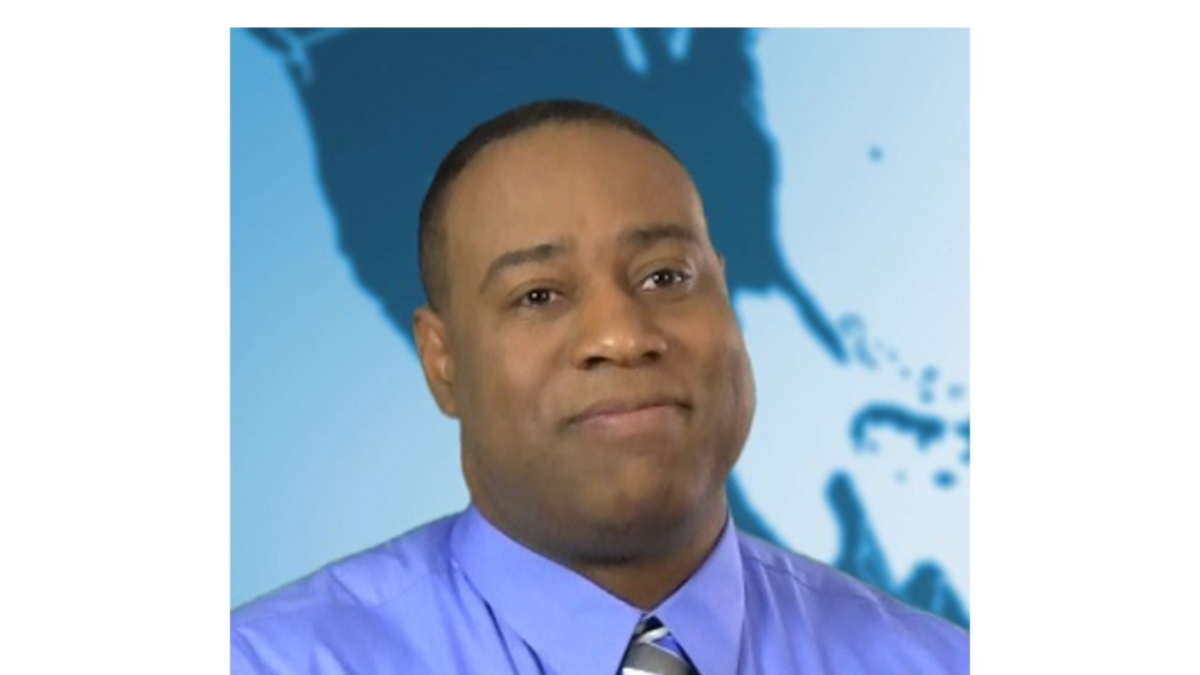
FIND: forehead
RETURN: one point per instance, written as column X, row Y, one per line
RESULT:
column 583, row 181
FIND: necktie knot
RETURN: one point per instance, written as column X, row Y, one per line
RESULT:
column 653, row 651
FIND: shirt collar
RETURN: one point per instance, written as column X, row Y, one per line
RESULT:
column 576, row 626
column 706, row 614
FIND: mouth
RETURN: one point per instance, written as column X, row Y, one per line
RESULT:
column 623, row 416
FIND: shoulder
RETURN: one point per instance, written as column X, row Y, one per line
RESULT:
column 844, row 614
column 355, row 596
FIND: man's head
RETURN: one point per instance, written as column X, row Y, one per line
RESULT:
column 580, row 329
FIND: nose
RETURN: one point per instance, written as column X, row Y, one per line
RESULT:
column 615, row 327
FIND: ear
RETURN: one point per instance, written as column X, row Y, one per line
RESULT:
column 437, row 358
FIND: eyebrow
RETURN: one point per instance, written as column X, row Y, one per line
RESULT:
column 648, row 235
column 524, row 256
column 638, row 237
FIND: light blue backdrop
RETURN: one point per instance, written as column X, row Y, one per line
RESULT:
column 862, row 462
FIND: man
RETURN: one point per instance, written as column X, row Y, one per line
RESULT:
column 580, row 330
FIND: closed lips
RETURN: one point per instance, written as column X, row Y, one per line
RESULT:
column 615, row 407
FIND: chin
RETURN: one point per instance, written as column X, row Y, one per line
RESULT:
column 639, row 528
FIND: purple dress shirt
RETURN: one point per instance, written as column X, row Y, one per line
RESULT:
column 459, row 596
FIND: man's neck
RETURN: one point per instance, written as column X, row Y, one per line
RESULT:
column 643, row 568
column 646, row 581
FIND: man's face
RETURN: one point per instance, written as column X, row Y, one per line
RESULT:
column 588, row 346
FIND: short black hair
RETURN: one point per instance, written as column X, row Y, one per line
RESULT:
column 431, row 234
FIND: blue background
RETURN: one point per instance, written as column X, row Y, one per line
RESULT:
column 835, row 169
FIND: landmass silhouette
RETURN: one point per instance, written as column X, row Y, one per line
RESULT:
column 384, row 105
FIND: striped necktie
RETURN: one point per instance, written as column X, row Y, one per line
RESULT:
column 654, row 652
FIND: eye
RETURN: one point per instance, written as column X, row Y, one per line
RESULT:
column 665, row 278
column 538, row 297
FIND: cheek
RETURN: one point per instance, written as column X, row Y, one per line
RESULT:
column 509, row 383
column 731, row 379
